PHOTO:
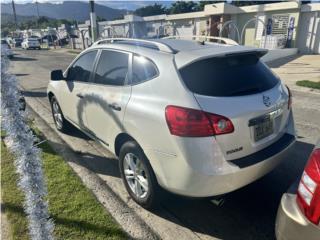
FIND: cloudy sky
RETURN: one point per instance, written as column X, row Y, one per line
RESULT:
column 130, row 5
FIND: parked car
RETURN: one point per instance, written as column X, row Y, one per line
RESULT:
column 6, row 49
column 50, row 39
column 17, row 42
column 198, row 119
column 299, row 211
column 30, row 43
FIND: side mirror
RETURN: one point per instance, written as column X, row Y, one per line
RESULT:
column 57, row 75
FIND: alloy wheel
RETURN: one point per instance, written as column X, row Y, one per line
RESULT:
column 57, row 114
column 135, row 175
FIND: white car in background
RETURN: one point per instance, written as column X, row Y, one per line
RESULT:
column 30, row 43
column 6, row 49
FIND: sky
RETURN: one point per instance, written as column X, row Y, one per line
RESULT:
column 119, row 4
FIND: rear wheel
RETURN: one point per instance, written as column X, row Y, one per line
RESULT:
column 61, row 123
column 138, row 176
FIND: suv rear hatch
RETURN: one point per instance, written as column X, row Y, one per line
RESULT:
column 242, row 88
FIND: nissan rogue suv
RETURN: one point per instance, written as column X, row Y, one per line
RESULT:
column 196, row 118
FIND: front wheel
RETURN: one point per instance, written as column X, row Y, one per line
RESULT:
column 138, row 176
column 61, row 123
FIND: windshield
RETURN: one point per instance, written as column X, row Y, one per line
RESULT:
column 228, row 76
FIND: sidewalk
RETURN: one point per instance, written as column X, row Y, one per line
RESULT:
column 296, row 68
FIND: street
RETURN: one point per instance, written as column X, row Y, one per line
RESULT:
column 248, row 213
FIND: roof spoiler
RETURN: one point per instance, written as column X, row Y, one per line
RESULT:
column 258, row 52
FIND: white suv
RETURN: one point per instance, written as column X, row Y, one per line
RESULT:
column 31, row 43
column 199, row 119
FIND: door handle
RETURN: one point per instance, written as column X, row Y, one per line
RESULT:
column 79, row 95
column 115, row 106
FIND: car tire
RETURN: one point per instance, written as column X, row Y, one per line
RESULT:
column 61, row 123
column 143, row 172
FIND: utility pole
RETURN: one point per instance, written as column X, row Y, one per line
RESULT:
column 37, row 9
column 93, row 21
column 14, row 14
column 37, row 13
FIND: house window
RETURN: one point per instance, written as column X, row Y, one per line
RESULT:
column 280, row 24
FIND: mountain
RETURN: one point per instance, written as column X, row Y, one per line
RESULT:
column 72, row 10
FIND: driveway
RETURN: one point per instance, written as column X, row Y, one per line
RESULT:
column 248, row 213
column 299, row 67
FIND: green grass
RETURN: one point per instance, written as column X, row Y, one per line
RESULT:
column 76, row 212
column 309, row 84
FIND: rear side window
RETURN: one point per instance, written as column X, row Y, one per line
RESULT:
column 82, row 68
column 228, row 76
column 143, row 69
column 112, row 68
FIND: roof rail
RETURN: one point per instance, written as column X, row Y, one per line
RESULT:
column 219, row 39
column 161, row 46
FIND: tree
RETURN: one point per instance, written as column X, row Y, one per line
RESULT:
column 42, row 22
column 43, row 19
column 201, row 4
column 101, row 19
column 240, row 3
column 183, row 7
column 151, row 10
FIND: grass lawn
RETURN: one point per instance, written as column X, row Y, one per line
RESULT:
column 75, row 210
column 309, row 84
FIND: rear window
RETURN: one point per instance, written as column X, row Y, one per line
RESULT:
column 228, row 76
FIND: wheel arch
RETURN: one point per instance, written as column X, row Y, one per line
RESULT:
column 50, row 95
column 120, row 140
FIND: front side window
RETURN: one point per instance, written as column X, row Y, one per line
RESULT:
column 112, row 68
column 143, row 70
column 82, row 68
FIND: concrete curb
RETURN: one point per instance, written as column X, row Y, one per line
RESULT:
column 132, row 224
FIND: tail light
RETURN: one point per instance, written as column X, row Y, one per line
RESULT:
column 290, row 97
column 308, row 196
column 186, row 122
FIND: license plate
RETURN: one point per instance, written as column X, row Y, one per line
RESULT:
column 263, row 129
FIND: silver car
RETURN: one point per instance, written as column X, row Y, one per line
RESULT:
column 299, row 211
column 195, row 118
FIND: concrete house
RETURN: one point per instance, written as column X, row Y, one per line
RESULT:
column 273, row 20
column 273, row 25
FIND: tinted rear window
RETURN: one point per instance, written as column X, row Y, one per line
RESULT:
column 228, row 76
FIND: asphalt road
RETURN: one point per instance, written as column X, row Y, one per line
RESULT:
column 248, row 213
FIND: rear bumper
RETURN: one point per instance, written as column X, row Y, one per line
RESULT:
column 188, row 181
column 291, row 224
